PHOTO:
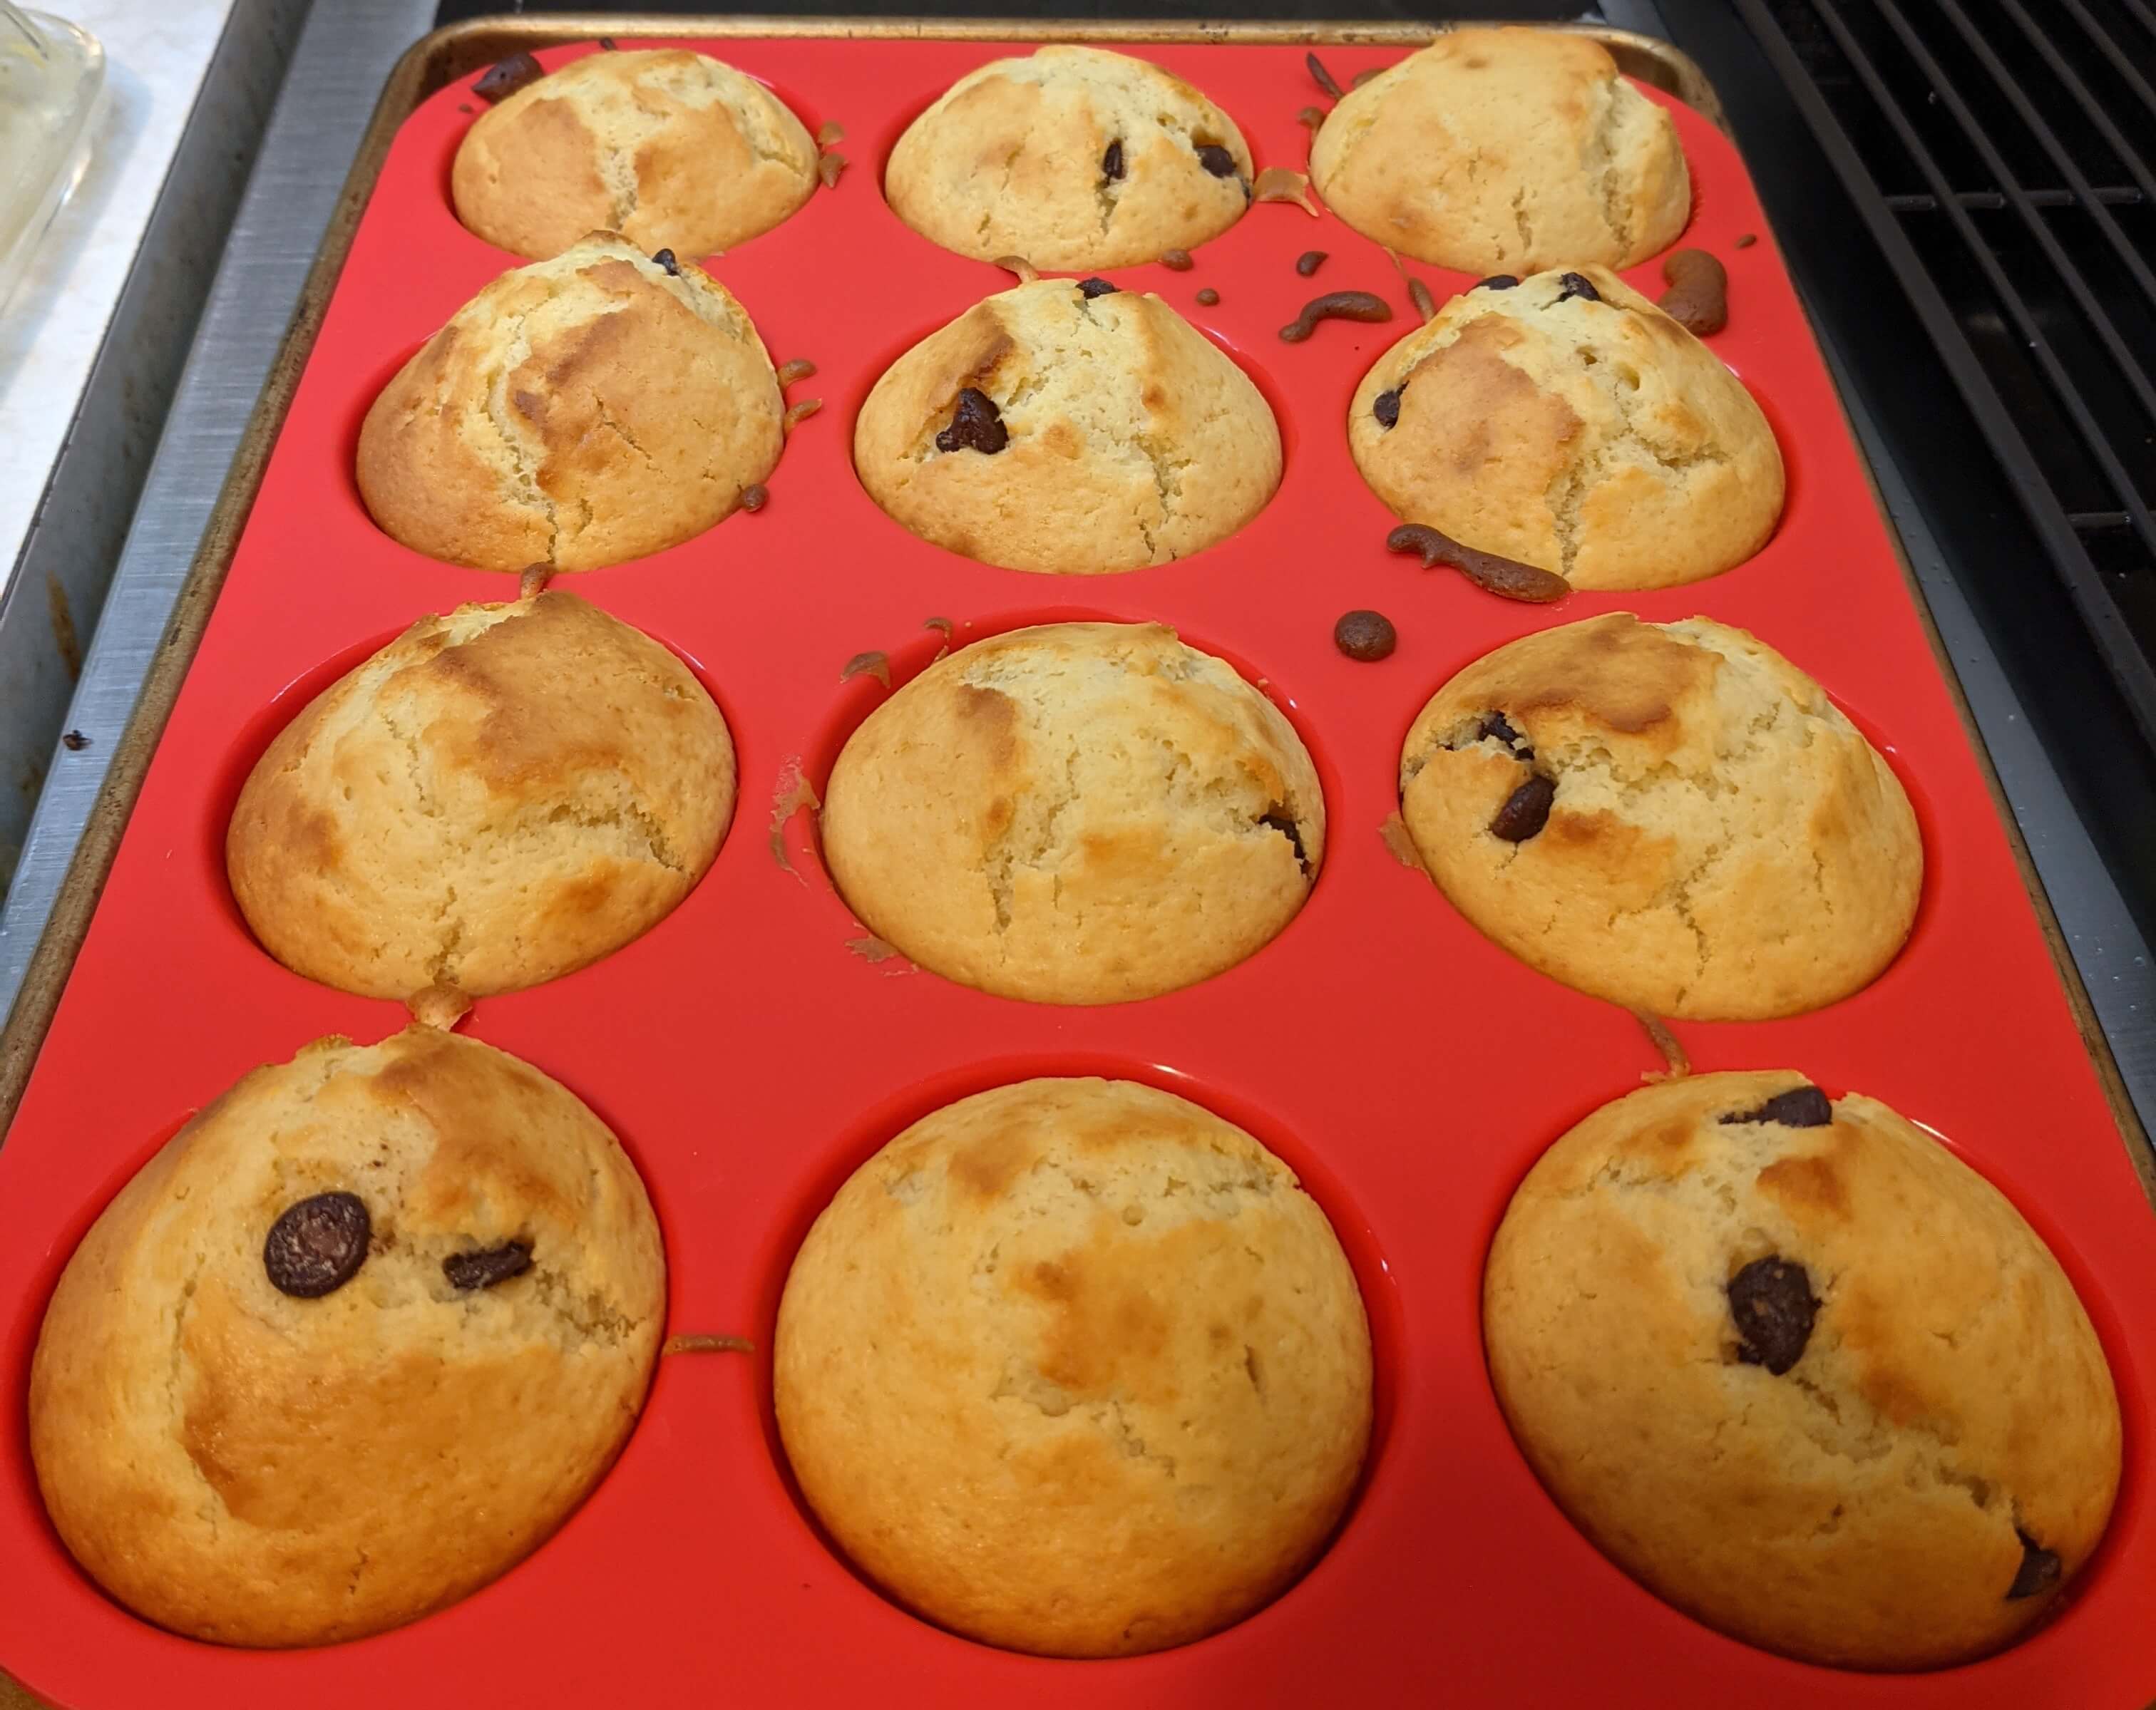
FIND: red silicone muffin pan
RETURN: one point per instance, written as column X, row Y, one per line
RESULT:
column 750, row 1058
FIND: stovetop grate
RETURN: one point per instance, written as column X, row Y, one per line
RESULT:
column 2005, row 161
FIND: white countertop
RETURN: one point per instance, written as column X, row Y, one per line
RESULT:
column 155, row 52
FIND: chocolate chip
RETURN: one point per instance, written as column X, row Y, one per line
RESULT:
column 755, row 496
column 1497, row 726
column 1281, row 821
column 1310, row 261
column 1576, row 285
column 1208, row 297
column 1324, row 79
column 1090, row 289
column 2039, row 1571
column 976, row 425
column 1176, row 260
column 1216, row 160
column 1367, row 636
column 607, row 44
column 1112, row 162
column 504, row 79
column 318, row 1245
column 1698, row 296
column 74, row 742
column 491, row 1266
column 1800, row 1106
column 1747, row 241
column 1772, row 1301
column 1525, row 810
column 1503, row 282
column 1336, row 305
column 665, row 258
column 1386, row 406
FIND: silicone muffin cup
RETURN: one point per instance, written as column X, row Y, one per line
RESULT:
column 753, row 1048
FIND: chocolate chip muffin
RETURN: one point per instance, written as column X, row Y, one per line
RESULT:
column 1068, row 428
column 353, row 1343
column 671, row 149
column 1801, row 1372
column 1073, row 1367
column 1565, row 421
column 1504, row 151
column 576, row 412
column 497, row 797
column 1072, row 157
column 1079, row 813
column 1668, row 816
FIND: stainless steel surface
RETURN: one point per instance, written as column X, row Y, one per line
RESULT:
column 345, row 50
column 69, row 556
column 2107, row 947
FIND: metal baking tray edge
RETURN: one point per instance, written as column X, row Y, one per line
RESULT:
column 449, row 54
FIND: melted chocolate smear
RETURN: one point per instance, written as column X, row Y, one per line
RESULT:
column 504, row 79
column 318, row 1245
column 976, row 425
column 1092, row 288
column 1503, row 282
column 1575, row 285
column 1386, row 406
column 483, row 1269
column 1281, row 821
column 2039, row 1571
column 1336, row 305
column 1525, row 810
column 665, row 258
column 1216, row 160
column 1492, row 574
column 1800, row 1106
column 1772, row 1301
column 1112, row 162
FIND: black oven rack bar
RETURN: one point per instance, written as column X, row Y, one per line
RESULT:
column 2004, row 160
